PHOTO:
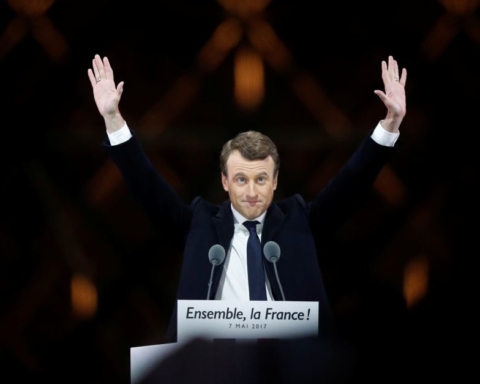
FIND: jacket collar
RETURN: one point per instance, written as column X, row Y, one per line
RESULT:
column 273, row 222
column 224, row 223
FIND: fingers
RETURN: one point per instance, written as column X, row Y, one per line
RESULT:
column 108, row 69
column 403, row 79
column 95, row 67
column 120, row 88
column 98, row 68
column 391, row 72
column 393, row 68
column 101, row 70
column 380, row 94
column 384, row 71
column 91, row 76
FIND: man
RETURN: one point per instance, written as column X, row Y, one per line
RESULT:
column 249, row 173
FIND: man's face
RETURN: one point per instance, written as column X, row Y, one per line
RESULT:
column 250, row 184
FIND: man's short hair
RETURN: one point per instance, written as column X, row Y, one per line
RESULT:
column 252, row 145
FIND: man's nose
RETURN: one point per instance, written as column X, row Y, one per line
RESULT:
column 252, row 190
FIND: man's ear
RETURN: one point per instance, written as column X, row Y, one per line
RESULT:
column 224, row 182
column 275, row 181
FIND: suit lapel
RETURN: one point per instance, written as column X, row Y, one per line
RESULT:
column 223, row 223
column 273, row 222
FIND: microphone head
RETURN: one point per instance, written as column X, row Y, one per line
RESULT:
column 216, row 254
column 271, row 250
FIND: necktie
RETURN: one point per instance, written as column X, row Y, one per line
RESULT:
column 256, row 274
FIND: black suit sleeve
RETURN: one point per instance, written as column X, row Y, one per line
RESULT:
column 160, row 202
column 349, row 188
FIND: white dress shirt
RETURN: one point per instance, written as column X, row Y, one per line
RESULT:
column 234, row 280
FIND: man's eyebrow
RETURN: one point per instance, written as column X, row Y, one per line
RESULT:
column 243, row 174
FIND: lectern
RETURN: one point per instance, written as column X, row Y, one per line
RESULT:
column 239, row 342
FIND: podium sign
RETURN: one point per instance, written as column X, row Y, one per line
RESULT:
column 222, row 319
column 236, row 319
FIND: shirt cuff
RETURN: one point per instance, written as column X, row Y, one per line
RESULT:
column 383, row 137
column 120, row 136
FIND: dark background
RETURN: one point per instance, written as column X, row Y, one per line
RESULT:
column 64, row 210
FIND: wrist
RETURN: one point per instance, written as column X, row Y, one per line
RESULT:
column 114, row 122
column 391, row 123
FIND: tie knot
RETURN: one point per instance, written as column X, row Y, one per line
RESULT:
column 251, row 225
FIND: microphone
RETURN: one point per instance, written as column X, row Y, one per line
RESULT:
column 216, row 255
column 271, row 250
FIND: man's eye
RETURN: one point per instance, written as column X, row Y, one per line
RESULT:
column 241, row 180
column 261, row 180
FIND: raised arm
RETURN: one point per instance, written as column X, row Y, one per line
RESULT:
column 107, row 95
column 159, row 201
column 349, row 188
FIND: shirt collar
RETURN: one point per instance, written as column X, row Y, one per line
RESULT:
column 239, row 218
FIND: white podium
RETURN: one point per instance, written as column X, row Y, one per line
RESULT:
column 222, row 325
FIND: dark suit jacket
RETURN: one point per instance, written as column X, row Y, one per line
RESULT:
column 296, row 225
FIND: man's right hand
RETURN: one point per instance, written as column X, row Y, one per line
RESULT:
column 107, row 95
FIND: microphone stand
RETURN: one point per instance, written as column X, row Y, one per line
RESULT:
column 274, row 262
column 211, row 281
